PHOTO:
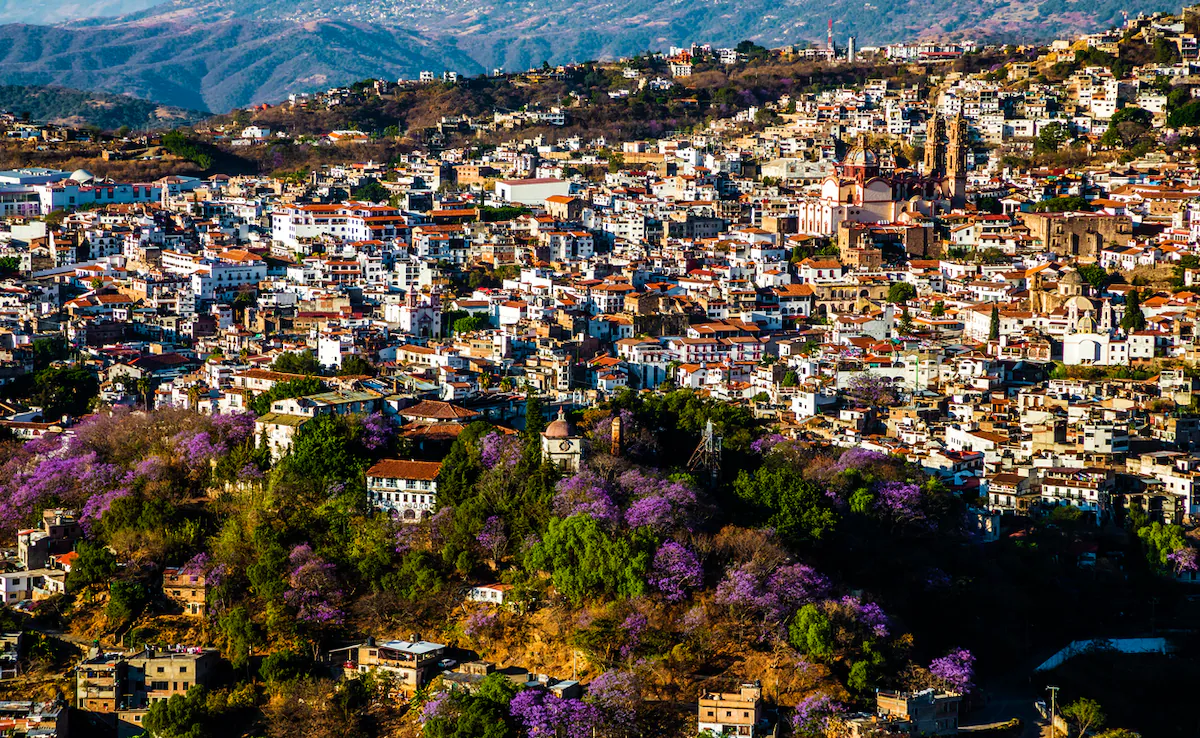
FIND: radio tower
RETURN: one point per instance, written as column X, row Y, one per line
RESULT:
column 829, row 38
column 707, row 455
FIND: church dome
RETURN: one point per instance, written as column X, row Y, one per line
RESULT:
column 559, row 428
column 1073, row 278
column 861, row 156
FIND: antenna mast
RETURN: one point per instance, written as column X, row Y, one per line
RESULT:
column 707, row 455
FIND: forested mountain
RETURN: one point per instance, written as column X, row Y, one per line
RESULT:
column 76, row 107
column 215, row 66
column 223, row 53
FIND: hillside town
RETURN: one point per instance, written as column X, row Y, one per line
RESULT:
column 983, row 284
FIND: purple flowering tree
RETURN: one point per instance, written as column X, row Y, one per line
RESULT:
column 901, row 502
column 634, row 627
column 763, row 446
column 481, row 623
column 97, row 505
column 1183, row 560
column 235, row 428
column 863, row 616
column 438, row 706
column 661, row 505
column 812, row 715
column 314, row 588
column 499, row 450
column 585, row 493
column 492, row 539
column 545, row 715
column 676, row 571
column 197, row 566
column 871, row 390
column 955, row 671
column 377, row 431
column 617, row 695
column 772, row 595
column 858, row 458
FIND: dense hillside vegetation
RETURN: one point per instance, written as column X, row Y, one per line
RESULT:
column 75, row 107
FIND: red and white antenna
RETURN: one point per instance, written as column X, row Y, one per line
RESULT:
column 829, row 39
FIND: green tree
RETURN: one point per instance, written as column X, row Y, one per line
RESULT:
column 180, row 716
column 901, row 292
column 297, row 362
column 355, row 365
column 1127, row 127
column 994, row 324
column 63, row 390
column 790, row 379
column 470, row 323
column 482, row 714
column 51, row 349
column 1133, row 319
column 1086, row 714
column 792, row 505
column 241, row 636
column 126, row 598
column 535, row 421
column 1095, row 275
column 1161, row 541
column 1165, row 51
column 325, row 452
column 370, row 191
column 1185, row 116
column 1051, row 138
column 1062, row 205
column 811, row 633
column 282, row 666
column 585, row 562
column 938, row 310
column 93, row 564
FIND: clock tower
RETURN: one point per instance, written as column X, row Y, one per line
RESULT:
column 560, row 445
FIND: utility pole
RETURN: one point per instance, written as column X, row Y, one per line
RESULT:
column 1053, row 695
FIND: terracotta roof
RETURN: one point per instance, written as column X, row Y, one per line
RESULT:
column 402, row 469
column 435, row 410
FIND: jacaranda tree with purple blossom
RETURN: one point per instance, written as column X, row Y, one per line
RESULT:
column 618, row 697
column 811, row 716
column 585, row 493
column 677, row 571
column 314, row 588
column 770, row 594
column 955, row 671
column 545, row 715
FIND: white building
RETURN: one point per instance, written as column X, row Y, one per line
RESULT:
column 530, row 191
column 407, row 489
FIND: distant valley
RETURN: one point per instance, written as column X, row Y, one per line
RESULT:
column 220, row 54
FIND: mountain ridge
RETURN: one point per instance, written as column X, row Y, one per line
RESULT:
column 214, row 66
column 220, row 54
column 66, row 106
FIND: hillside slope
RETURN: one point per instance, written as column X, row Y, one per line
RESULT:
column 75, row 107
column 519, row 34
column 218, row 65
column 219, row 54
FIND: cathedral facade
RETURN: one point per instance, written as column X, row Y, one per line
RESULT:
column 858, row 191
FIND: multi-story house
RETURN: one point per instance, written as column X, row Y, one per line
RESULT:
column 733, row 713
column 407, row 489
